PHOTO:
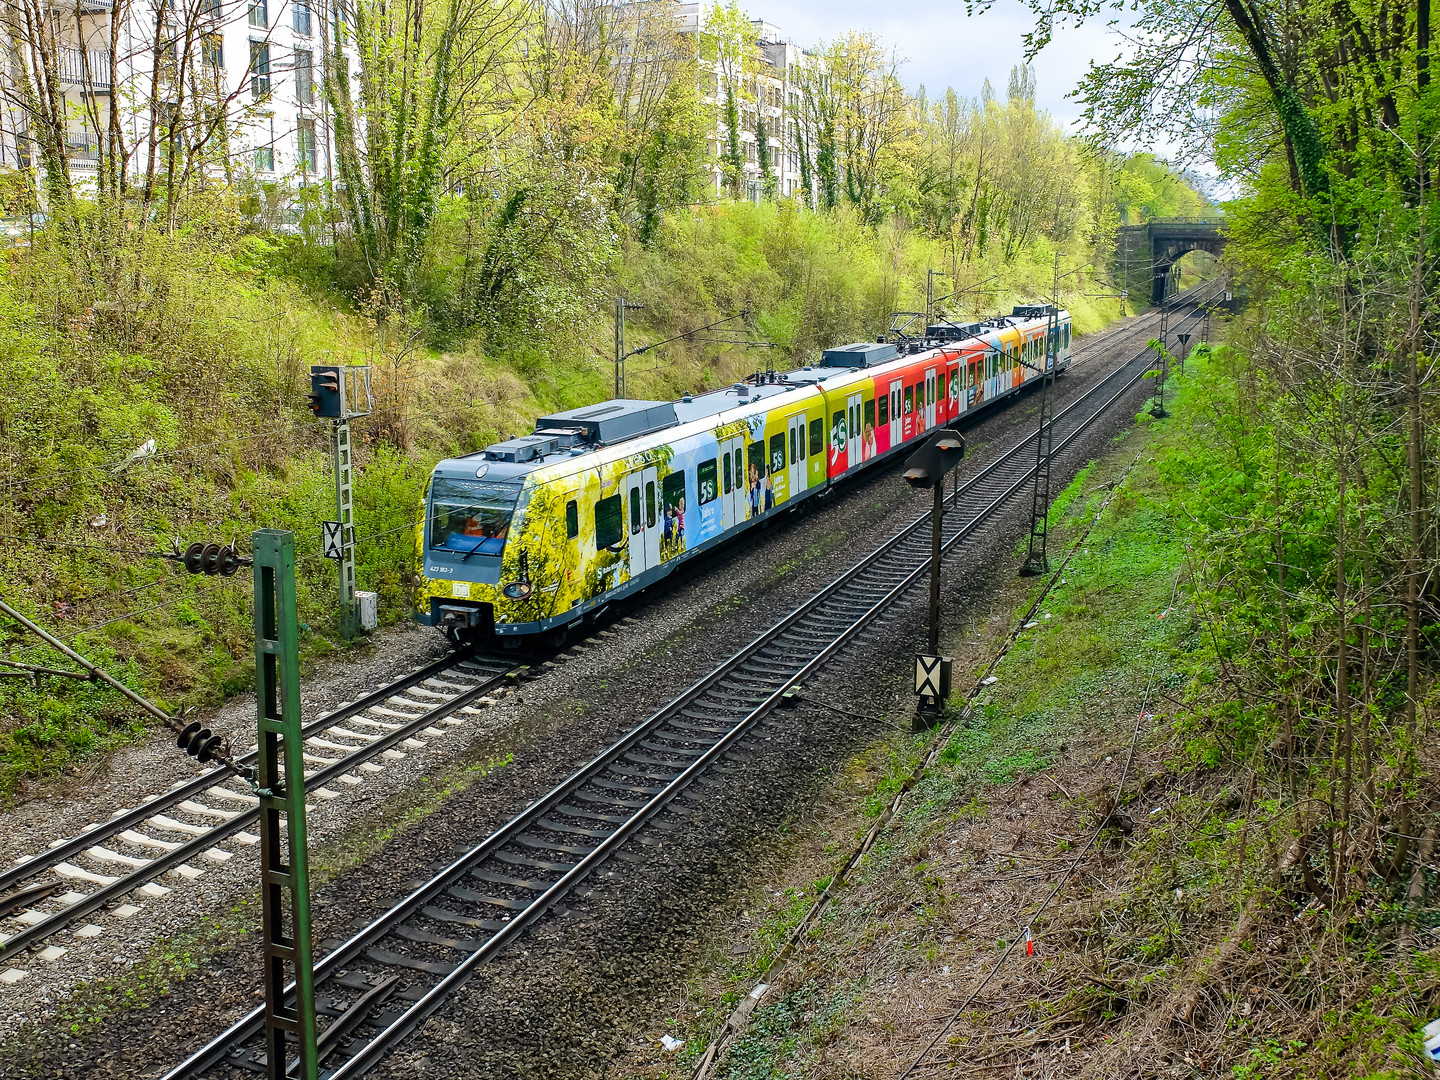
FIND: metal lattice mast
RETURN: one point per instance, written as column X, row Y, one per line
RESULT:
column 345, row 515
column 284, row 861
column 1036, row 559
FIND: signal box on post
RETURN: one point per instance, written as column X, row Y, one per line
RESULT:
column 339, row 393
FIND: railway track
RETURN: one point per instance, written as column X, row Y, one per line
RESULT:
column 204, row 820
column 112, row 866
column 375, row 988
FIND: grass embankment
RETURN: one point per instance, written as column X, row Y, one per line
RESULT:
column 1180, row 943
column 202, row 342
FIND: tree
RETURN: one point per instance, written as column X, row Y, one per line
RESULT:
column 421, row 68
column 762, row 156
column 728, row 42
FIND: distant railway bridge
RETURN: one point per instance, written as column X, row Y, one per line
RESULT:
column 1147, row 254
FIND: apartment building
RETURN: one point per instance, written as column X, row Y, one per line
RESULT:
column 772, row 93
column 259, row 60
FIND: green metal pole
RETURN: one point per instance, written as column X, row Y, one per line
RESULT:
column 284, row 861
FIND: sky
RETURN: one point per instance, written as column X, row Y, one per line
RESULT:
column 945, row 47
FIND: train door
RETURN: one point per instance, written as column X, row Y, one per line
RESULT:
column 852, row 417
column 797, row 454
column 896, row 420
column 732, row 482
column 930, row 397
column 642, row 498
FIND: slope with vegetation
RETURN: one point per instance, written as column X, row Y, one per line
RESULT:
column 1262, row 902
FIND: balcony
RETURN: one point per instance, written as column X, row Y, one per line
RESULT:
column 72, row 69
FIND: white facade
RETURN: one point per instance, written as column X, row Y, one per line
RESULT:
column 258, row 59
column 773, row 93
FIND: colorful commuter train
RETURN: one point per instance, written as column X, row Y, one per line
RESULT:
column 532, row 534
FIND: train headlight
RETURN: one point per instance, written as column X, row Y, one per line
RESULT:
column 518, row 590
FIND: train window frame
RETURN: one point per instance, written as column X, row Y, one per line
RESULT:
column 727, row 473
column 930, row 394
column 817, row 436
column 636, row 521
column 707, row 472
column 572, row 519
column 777, row 453
column 883, row 409
column 652, row 504
column 609, row 522
column 797, row 443
column 909, row 400
column 755, row 457
column 867, row 416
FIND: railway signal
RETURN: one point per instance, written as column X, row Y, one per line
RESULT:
column 339, row 394
column 926, row 468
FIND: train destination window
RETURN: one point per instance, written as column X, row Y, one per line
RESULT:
column 729, row 481
column 777, row 452
column 608, row 528
column 706, row 490
column 471, row 516
column 884, row 409
column 572, row 520
column 909, row 400
column 817, row 436
column 650, row 504
column 636, row 524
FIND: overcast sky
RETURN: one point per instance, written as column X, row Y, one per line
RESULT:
column 943, row 47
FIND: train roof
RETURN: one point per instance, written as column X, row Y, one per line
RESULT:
column 608, row 430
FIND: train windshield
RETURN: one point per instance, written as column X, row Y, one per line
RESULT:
column 471, row 516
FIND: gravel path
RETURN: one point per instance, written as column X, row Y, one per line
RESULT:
column 593, row 966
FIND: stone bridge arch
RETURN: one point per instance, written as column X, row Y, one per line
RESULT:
column 1144, row 254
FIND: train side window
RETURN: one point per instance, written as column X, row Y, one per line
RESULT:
column 909, row 400
column 756, row 453
column 817, row 436
column 729, row 480
column 929, row 393
column 797, row 445
column 884, row 409
column 940, row 387
column 572, row 520
column 706, row 490
column 608, row 527
column 1067, row 335
column 777, row 452
column 636, row 524
column 650, row 505
column 869, row 411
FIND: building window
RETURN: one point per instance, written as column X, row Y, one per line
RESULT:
column 259, row 68
column 212, row 51
column 305, row 140
column 258, row 15
column 300, row 17
column 304, row 77
column 265, row 159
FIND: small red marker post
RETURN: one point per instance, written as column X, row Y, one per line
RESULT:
column 1029, row 943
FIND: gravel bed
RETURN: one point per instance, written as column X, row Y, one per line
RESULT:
column 640, row 919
